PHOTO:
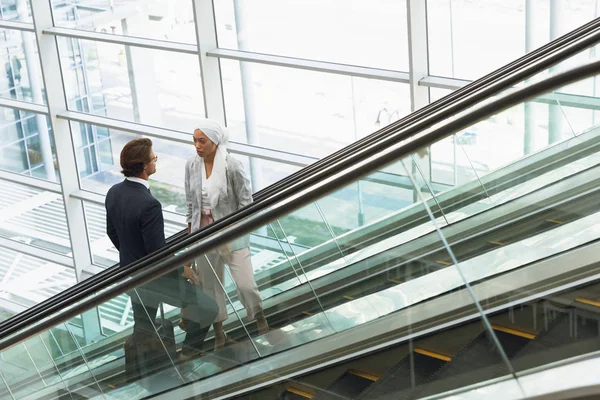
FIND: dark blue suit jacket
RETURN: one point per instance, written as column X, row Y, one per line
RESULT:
column 134, row 221
column 135, row 225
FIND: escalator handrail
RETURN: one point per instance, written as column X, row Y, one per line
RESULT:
column 492, row 84
column 219, row 233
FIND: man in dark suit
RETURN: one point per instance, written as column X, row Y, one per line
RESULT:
column 135, row 225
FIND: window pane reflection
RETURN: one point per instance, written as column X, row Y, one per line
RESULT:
column 170, row 20
column 24, row 282
column 305, row 112
column 370, row 33
column 158, row 88
column 22, row 79
column 16, row 10
column 468, row 39
column 34, row 216
column 27, row 145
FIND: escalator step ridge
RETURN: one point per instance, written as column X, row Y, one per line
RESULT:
column 476, row 356
column 387, row 386
column 348, row 385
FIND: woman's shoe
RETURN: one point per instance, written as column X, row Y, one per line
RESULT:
column 262, row 325
column 220, row 340
column 185, row 356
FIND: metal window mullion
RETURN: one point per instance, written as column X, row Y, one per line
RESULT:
column 417, row 52
column 418, row 58
column 29, row 181
column 311, row 65
column 210, row 67
column 17, row 25
column 171, row 135
column 123, row 40
column 65, row 149
column 36, row 252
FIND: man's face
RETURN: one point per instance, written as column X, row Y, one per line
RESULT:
column 151, row 165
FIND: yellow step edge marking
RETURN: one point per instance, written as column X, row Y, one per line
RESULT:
column 307, row 313
column 299, row 393
column 555, row 221
column 349, row 298
column 442, row 262
column 496, row 243
column 432, row 354
column 363, row 375
column 514, row 332
column 395, row 281
column 586, row 301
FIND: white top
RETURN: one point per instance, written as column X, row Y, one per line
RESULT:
column 206, row 206
column 139, row 180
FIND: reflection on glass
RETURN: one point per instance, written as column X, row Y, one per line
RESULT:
column 22, row 78
column 157, row 88
column 495, row 31
column 16, row 10
column 29, row 280
column 34, row 216
column 305, row 112
column 170, row 20
column 337, row 30
column 26, row 144
column 98, row 151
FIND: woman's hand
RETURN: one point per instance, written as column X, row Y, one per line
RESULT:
column 190, row 275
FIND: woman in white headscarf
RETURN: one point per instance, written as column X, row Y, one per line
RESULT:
column 217, row 185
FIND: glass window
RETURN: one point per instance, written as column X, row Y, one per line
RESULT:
column 16, row 10
column 306, row 112
column 158, row 88
column 23, row 282
column 468, row 39
column 34, row 216
column 166, row 184
column 22, row 78
column 171, row 20
column 370, row 33
column 27, row 145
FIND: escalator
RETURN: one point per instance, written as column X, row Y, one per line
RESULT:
column 381, row 294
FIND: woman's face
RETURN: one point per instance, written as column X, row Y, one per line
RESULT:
column 204, row 147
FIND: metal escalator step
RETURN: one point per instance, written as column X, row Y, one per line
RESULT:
column 565, row 337
column 432, row 354
column 478, row 361
column 588, row 302
column 349, row 385
column 295, row 394
column 404, row 377
column 515, row 332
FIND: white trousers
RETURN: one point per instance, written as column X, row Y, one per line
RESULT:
column 240, row 268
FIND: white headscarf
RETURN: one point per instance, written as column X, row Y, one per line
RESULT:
column 217, row 184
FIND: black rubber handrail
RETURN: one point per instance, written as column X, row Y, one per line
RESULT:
column 490, row 85
column 374, row 157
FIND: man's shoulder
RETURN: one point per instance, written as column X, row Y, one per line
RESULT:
column 114, row 189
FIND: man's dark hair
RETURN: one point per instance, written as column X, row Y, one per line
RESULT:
column 134, row 155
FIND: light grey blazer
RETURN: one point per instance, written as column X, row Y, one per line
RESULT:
column 239, row 194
